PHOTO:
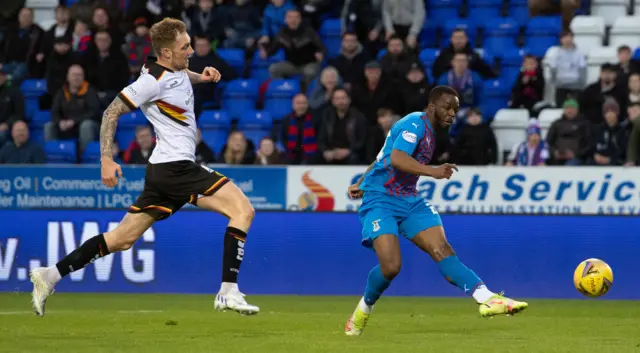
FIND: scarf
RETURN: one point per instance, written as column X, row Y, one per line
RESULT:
column 464, row 86
column 523, row 154
column 309, row 145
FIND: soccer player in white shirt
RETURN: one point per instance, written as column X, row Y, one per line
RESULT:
column 165, row 95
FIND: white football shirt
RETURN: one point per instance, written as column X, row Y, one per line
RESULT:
column 166, row 99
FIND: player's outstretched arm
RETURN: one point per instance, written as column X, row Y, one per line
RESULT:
column 404, row 162
column 209, row 74
column 107, row 135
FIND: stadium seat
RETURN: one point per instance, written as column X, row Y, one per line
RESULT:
column 438, row 11
column 429, row 56
column 542, row 33
column 547, row 117
column 636, row 54
column 240, row 96
column 588, row 31
column 467, row 24
column 215, row 127
column 260, row 67
column 91, row 154
column 609, row 10
column 510, row 63
column 428, row 35
column 279, row 96
column 500, row 34
column 32, row 90
column 127, row 125
column 37, row 123
column 625, row 31
column 596, row 58
column 331, row 35
column 61, row 152
column 255, row 125
column 233, row 57
column 509, row 126
column 495, row 96
column 484, row 9
column 519, row 11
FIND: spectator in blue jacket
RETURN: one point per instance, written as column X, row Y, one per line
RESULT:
column 21, row 150
column 273, row 19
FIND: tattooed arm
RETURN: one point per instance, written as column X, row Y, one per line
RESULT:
column 108, row 127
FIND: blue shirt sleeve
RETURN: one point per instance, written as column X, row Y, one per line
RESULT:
column 409, row 135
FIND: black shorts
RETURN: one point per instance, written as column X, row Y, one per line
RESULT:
column 169, row 186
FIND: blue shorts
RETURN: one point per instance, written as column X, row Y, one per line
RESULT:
column 382, row 213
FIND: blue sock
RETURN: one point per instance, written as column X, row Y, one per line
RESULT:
column 376, row 285
column 459, row 275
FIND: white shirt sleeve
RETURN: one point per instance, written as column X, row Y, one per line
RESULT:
column 144, row 90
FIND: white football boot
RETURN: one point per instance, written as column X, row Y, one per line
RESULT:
column 234, row 300
column 43, row 287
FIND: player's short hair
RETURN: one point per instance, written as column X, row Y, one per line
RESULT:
column 163, row 34
column 440, row 91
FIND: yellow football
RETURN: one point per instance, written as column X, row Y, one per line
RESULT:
column 593, row 277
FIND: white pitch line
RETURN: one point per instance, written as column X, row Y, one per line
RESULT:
column 3, row 313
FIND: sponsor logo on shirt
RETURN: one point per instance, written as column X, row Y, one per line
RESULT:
column 409, row 136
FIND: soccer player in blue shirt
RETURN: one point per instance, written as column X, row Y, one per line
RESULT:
column 391, row 207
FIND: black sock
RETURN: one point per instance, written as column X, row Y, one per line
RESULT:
column 85, row 254
column 234, row 240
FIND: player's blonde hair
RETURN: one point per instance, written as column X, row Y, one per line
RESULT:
column 163, row 34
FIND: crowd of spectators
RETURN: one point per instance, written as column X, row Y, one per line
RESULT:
column 349, row 100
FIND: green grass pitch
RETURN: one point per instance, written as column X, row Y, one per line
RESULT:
column 187, row 323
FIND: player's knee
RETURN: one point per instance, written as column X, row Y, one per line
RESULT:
column 441, row 251
column 391, row 268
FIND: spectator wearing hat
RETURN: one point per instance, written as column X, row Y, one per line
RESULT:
column 106, row 68
column 375, row 91
column 568, row 137
column 21, row 150
column 351, row 60
column 528, row 89
column 11, row 105
column 609, row 138
column 568, row 69
column 415, row 90
column 533, row 152
column 475, row 144
column 139, row 47
column 594, row 96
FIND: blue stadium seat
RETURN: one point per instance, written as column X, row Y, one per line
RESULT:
column 260, row 67
column 519, row 11
column 233, row 57
column 61, row 152
column 467, row 24
column 636, row 54
column 496, row 95
column 91, row 154
column 215, row 126
column 127, row 125
column 381, row 53
column 279, row 96
column 255, row 125
column 32, row 90
column 331, row 34
column 500, row 34
column 40, row 118
column 438, row 11
column 429, row 56
column 510, row 64
column 484, row 9
column 240, row 96
column 428, row 35
column 542, row 33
